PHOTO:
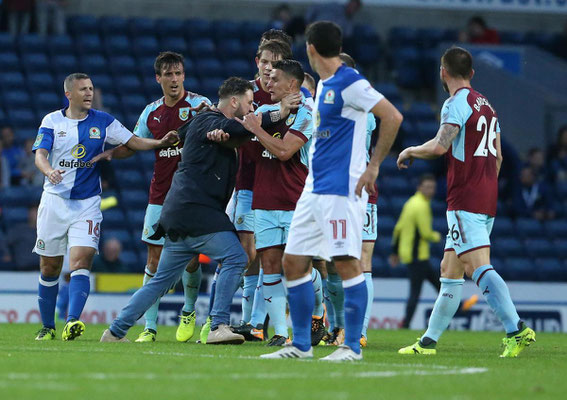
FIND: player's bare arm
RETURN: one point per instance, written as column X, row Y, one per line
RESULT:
column 288, row 103
column 139, row 144
column 283, row 149
column 499, row 157
column 118, row 152
column 390, row 121
column 42, row 163
column 432, row 149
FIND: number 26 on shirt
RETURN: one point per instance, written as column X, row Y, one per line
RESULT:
column 488, row 132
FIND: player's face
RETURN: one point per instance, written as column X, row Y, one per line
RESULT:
column 244, row 104
column 264, row 64
column 279, row 85
column 171, row 81
column 81, row 94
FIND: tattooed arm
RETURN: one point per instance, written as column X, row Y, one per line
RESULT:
column 432, row 149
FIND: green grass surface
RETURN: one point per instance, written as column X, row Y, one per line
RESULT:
column 467, row 366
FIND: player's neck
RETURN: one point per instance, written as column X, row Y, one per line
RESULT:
column 225, row 109
column 457, row 84
column 73, row 113
column 263, row 85
column 327, row 67
column 171, row 101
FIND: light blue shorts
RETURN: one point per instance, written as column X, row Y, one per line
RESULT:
column 271, row 228
column 153, row 212
column 370, row 229
column 243, row 215
column 468, row 231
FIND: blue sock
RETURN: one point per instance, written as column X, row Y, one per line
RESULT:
column 191, row 284
column 259, row 307
column 275, row 301
column 301, row 298
column 213, row 290
column 356, row 298
column 446, row 305
column 47, row 298
column 63, row 301
column 79, row 289
column 370, row 288
column 318, row 310
column 497, row 296
column 337, row 296
column 329, row 306
column 250, row 283
column 151, row 314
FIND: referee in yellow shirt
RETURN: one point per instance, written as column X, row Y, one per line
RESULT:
column 410, row 244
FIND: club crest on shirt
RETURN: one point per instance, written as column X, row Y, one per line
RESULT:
column 290, row 119
column 40, row 244
column 240, row 220
column 94, row 133
column 329, row 97
column 184, row 113
column 38, row 140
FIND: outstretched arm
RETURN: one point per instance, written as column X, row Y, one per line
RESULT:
column 432, row 149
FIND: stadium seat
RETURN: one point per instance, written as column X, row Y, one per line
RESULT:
column 521, row 269
column 66, row 64
column 22, row 118
column 389, row 90
column 507, row 37
column 528, row 227
column 174, row 43
column 131, row 261
column 440, row 225
column 18, row 196
column 25, row 134
column 117, row 44
column 48, row 100
column 380, row 269
column 10, row 62
column 103, row 81
column 130, row 83
column 420, row 111
column 383, row 243
column 167, row 27
column 398, row 186
column 202, row 49
column 550, row 269
column 389, row 166
column 298, row 51
column 36, row 62
column 402, row 36
column 250, row 47
column 141, row 27
column 32, row 43
column 120, row 65
column 210, row 87
column 538, row 248
column 239, row 68
column 123, row 235
column 145, row 46
column 427, row 129
column 439, row 208
column 408, row 77
column 60, row 45
column 136, row 218
column 111, row 101
column 384, row 207
column 198, row 29
column 89, row 44
column 229, row 49
column 134, row 103
column 503, row 227
column 113, row 25
column 131, row 119
column 7, row 43
column 79, row 24
column 397, row 203
column 560, row 246
column 113, row 218
column 386, row 225
column 94, row 64
column 430, row 37
column 224, row 29
column 131, row 179
column 556, row 229
column 368, row 53
column 145, row 66
column 208, row 68
column 15, row 215
column 134, row 199
column 508, row 247
column 253, row 30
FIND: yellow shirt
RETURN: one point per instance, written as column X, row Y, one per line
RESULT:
column 414, row 230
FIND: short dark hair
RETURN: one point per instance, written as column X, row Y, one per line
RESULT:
column 458, row 62
column 234, row 86
column 291, row 68
column 326, row 37
column 71, row 78
column 276, row 47
column 426, row 177
column 167, row 59
column 309, row 79
column 276, row 34
column 348, row 60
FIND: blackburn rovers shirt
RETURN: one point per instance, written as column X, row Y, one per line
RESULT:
column 72, row 143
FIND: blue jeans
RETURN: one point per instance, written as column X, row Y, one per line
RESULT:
column 223, row 247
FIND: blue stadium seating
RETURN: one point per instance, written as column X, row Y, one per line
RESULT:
column 420, row 111
column 60, row 45
column 37, row 62
column 167, row 27
column 112, row 25
column 508, row 247
column 385, row 225
column 17, row 98
column 19, row 196
column 131, row 261
column 89, row 44
column 131, row 179
column 430, row 37
column 65, row 63
column 117, row 44
column 136, row 218
column 10, row 62
column 174, row 43
column 22, row 118
column 7, row 42
column 130, row 83
column 113, row 218
column 229, row 49
column 79, row 24
column 208, row 68
column 252, row 30
column 145, row 46
column 250, row 47
column 556, row 229
column 408, row 76
column 550, row 269
column 209, row 88
column 202, row 48
column 539, row 248
column 134, row 103
column 48, row 100
column 390, row 91
column 529, row 227
column 520, row 269
column 141, row 27
column 367, row 53
column 503, row 226
column 198, row 29
column 15, row 215
column 239, row 68
column 103, row 81
column 32, row 43
column 123, row 235
column 560, row 246
column 94, row 64
column 224, row 29
column 402, row 36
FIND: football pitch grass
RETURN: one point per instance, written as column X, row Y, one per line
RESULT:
column 467, row 366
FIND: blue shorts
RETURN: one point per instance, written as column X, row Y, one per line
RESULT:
column 153, row 212
column 271, row 228
column 468, row 231
column 243, row 215
column 370, row 228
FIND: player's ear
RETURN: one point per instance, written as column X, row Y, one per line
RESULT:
column 158, row 78
column 472, row 74
column 257, row 62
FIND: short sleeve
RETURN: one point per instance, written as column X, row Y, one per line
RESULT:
column 117, row 134
column 141, row 128
column 303, row 124
column 456, row 110
column 45, row 137
column 361, row 95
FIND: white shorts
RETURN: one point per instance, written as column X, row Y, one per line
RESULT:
column 63, row 223
column 327, row 225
